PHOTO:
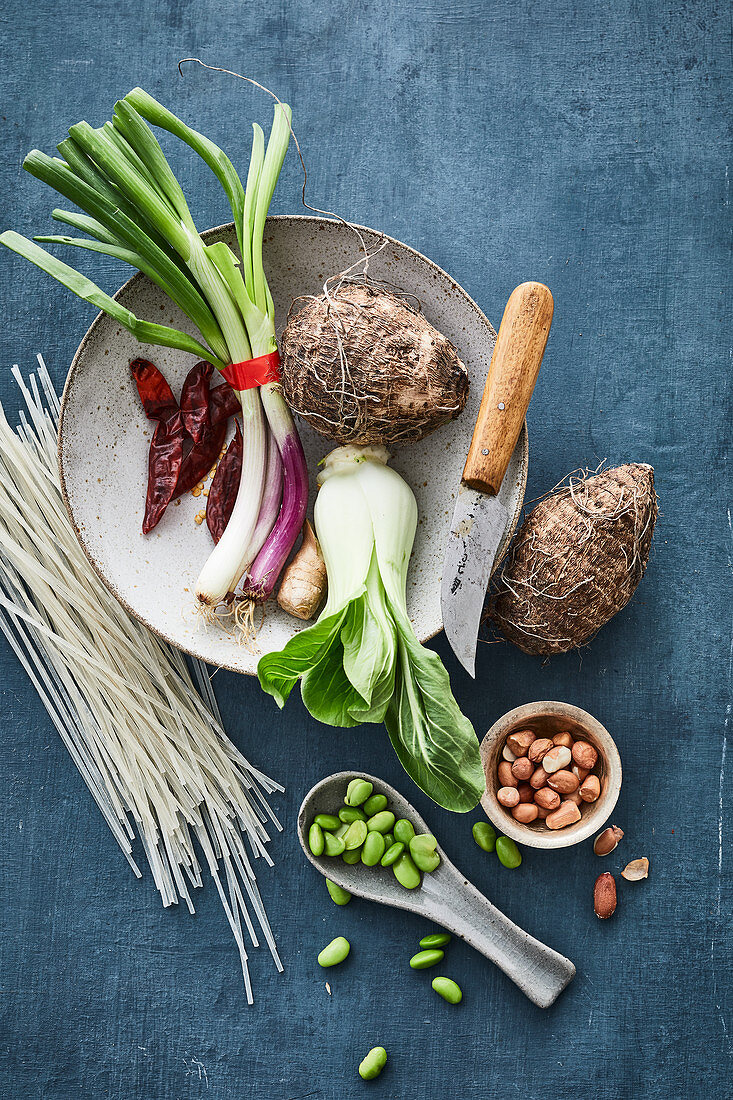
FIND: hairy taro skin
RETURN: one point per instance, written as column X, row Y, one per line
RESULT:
column 398, row 379
column 576, row 560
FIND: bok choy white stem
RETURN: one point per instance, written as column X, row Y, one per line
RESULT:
column 361, row 662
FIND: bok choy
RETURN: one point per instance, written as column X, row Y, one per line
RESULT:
column 135, row 210
column 361, row 662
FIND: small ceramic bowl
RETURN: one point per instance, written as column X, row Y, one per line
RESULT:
column 547, row 719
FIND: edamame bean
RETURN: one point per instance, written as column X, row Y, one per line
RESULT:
column 484, row 835
column 448, row 990
column 424, row 855
column 335, row 952
column 341, row 831
column 406, row 872
column 373, row 849
column 355, row 835
column 435, row 939
column 508, row 852
column 373, row 1064
column 391, row 854
column 381, row 822
column 347, row 814
column 338, row 894
column 352, row 857
column 388, row 840
column 358, row 791
column 328, row 822
column 316, row 843
column 403, row 831
column 334, row 845
column 375, row 804
column 424, row 959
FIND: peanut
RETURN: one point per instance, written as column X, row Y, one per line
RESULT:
column 520, row 741
column 558, row 757
column 508, row 796
column 606, row 841
column 604, row 896
column 590, row 788
column 538, row 779
column 538, row 748
column 584, row 755
column 526, row 793
column 563, row 781
column 563, row 739
column 566, row 814
column 547, row 799
column 522, row 768
column 541, row 813
column 507, row 754
column 525, row 813
column 580, row 772
column 574, row 796
column 506, row 776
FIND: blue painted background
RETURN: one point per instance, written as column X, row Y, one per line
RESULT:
column 583, row 144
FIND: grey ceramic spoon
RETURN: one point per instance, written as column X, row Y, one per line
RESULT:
column 445, row 897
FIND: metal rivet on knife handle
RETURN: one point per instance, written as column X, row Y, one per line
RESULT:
column 515, row 364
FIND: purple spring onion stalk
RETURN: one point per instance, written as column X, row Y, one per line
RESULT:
column 269, row 562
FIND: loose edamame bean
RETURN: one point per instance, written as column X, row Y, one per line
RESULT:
column 381, row 822
column 403, row 831
column 375, row 804
column 358, row 791
column 406, row 872
column 355, row 835
column 484, row 835
column 424, row 855
column 347, row 814
column 373, row 1064
column 334, row 845
column 448, row 990
column 352, row 857
column 338, row 894
column 335, row 952
column 391, row 854
column 373, row 849
column 328, row 822
column 508, row 852
column 316, row 843
column 435, row 939
column 424, row 959
column 341, row 831
column 388, row 840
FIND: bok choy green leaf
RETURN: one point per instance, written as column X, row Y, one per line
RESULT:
column 361, row 662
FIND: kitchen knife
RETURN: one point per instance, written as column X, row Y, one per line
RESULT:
column 480, row 519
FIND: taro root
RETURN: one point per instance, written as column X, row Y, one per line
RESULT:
column 576, row 560
column 364, row 366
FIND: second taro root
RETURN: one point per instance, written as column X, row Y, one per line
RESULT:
column 364, row 366
column 576, row 560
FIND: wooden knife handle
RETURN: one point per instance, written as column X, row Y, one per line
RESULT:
column 515, row 365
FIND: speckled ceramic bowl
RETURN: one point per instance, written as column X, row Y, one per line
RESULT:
column 546, row 719
column 104, row 438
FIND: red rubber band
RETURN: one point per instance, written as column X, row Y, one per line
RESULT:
column 254, row 372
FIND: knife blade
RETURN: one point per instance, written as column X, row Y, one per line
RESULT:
column 480, row 519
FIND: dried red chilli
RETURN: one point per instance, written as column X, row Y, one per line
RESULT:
column 195, row 408
column 164, row 469
column 155, row 393
column 223, row 491
column 201, row 458
column 224, row 402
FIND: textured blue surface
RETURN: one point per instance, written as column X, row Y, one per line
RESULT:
column 579, row 143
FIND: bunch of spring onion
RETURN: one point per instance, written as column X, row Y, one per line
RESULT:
column 361, row 662
column 135, row 210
